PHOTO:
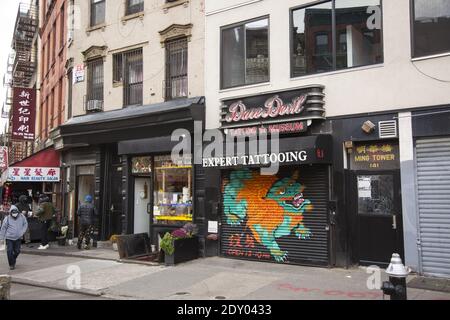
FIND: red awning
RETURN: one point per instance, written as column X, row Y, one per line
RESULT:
column 47, row 158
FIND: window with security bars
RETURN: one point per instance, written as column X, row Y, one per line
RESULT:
column 95, row 83
column 134, row 6
column 97, row 12
column 128, row 71
column 176, row 83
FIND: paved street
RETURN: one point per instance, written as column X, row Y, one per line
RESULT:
column 213, row 278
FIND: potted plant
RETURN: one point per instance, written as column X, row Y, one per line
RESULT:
column 181, row 245
column 113, row 240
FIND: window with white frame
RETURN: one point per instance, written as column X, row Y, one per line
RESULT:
column 245, row 53
column 334, row 35
column 134, row 6
column 97, row 12
column 431, row 27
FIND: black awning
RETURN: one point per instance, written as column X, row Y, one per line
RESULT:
column 292, row 150
column 146, row 146
column 130, row 123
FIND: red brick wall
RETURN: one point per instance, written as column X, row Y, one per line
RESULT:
column 53, row 60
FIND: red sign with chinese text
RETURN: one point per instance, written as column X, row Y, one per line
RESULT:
column 24, row 114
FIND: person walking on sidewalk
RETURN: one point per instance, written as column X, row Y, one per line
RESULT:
column 87, row 215
column 12, row 230
column 45, row 214
column 24, row 208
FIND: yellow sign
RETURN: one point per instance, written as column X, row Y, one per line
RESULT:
column 375, row 156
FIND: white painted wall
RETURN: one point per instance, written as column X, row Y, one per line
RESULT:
column 120, row 36
column 395, row 84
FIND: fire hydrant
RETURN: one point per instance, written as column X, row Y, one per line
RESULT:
column 396, row 286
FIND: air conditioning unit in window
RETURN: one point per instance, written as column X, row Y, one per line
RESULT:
column 94, row 105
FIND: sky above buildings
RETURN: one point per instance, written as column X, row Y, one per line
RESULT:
column 8, row 14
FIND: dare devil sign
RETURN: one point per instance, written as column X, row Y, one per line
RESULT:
column 282, row 112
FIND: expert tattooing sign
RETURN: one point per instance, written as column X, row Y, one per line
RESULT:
column 260, row 159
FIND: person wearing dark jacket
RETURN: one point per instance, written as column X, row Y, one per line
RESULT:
column 12, row 230
column 24, row 208
column 87, row 215
column 45, row 214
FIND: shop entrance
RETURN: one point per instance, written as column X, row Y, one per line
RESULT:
column 379, row 216
column 375, row 200
column 85, row 185
column 142, row 204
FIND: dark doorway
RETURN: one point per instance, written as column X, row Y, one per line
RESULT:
column 115, row 205
column 376, row 197
column 85, row 186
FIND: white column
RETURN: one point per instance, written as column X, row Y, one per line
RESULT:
column 408, row 185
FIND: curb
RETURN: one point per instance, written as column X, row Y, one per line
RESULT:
column 86, row 292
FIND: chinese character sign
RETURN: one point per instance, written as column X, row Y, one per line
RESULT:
column 24, row 114
column 23, row 174
column 3, row 158
column 78, row 73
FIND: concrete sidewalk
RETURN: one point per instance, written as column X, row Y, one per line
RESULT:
column 104, row 251
column 101, row 253
column 204, row 279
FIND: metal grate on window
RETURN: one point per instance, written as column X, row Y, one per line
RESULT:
column 95, row 81
column 117, row 68
column 134, row 6
column 176, row 83
column 133, row 77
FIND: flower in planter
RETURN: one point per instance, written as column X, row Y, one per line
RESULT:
column 167, row 242
column 191, row 229
column 180, row 234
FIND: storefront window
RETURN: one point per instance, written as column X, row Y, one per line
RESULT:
column 141, row 165
column 172, row 191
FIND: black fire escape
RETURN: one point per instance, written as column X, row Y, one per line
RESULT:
column 22, row 67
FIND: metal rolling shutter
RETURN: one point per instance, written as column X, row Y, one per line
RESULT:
column 238, row 241
column 433, row 191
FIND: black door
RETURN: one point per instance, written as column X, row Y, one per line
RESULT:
column 379, row 227
column 115, row 200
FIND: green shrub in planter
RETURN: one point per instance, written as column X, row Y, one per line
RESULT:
column 181, row 245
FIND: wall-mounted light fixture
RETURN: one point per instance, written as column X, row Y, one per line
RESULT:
column 368, row 127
